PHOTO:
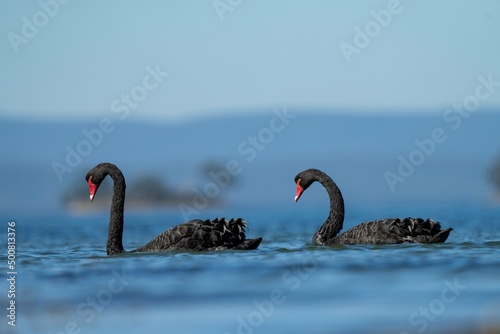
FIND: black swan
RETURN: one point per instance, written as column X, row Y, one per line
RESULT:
column 193, row 235
column 383, row 231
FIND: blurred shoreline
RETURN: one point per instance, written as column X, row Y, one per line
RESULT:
column 356, row 150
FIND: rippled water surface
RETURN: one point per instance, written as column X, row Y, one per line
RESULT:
column 65, row 283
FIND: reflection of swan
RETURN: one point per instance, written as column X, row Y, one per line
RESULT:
column 383, row 231
column 195, row 235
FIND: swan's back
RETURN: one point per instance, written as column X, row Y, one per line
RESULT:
column 202, row 235
column 393, row 231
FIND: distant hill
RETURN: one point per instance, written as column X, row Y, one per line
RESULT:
column 372, row 158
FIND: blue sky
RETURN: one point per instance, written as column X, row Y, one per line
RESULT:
column 87, row 55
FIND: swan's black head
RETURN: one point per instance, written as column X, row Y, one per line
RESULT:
column 304, row 179
column 96, row 175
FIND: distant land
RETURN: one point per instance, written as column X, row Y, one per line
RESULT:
column 374, row 159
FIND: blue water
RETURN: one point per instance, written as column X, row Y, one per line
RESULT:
column 65, row 283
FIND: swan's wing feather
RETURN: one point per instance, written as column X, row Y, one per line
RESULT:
column 199, row 235
column 394, row 231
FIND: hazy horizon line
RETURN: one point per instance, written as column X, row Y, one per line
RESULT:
column 243, row 111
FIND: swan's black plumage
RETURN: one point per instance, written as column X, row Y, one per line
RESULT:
column 193, row 235
column 199, row 235
column 382, row 231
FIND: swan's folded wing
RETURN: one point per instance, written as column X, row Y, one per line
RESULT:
column 199, row 235
column 394, row 231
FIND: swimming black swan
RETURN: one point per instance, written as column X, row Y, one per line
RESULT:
column 193, row 235
column 383, row 231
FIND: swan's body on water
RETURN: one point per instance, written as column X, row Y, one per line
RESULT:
column 382, row 231
column 193, row 235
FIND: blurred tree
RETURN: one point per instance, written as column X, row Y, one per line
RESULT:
column 214, row 169
column 495, row 174
column 148, row 188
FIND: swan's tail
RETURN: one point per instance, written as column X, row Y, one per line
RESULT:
column 430, row 231
column 249, row 244
column 442, row 235
column 234, row 234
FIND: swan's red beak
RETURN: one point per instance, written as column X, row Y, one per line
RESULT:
column 92, row 188
column 299, row 192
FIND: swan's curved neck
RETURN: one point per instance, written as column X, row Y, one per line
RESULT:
column 115, row 230
column 334, row 222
